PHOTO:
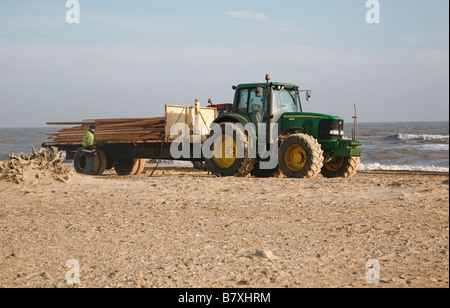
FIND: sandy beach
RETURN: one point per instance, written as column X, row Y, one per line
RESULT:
column 185, row 228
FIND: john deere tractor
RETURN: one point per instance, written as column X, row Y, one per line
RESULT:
column 308, row 144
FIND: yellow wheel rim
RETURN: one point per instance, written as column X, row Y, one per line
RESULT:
column 224, row 152
column 335, row 165
column 295, row 158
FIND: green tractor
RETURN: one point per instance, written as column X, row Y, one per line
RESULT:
column 308, row 144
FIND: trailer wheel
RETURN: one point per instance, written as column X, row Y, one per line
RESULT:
column 341, row 167
column 224, row 160
column 127, row 166
column 141, row 167
column 200, row 165
column 79, row 162
column 266, row 173
column 300, row 156
column 110, row 164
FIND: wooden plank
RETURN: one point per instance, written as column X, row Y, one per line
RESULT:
column 112, row 130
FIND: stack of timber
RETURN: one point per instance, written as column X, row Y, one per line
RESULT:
column 112, row 130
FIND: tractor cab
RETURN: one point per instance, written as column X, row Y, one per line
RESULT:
column 266, row 102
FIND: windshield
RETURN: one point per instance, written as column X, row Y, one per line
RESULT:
column 285, row 101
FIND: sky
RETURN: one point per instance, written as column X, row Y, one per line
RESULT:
column 130, row 58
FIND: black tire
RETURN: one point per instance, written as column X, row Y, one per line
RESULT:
column 266, row 173
column 79, row 162
column 200, row 165
column 110, row 164
column 300, row 156
column 239, row 167
column 127, row 167
column 342, row 167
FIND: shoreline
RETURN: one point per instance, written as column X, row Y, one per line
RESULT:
column 405, row 172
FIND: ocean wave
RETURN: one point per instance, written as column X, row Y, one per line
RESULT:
column 378, row 166
column 431, row 147
column 434, row 147
column 418, row 137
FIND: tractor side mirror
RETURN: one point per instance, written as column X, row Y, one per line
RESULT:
column 259, row 92
column 308, row 95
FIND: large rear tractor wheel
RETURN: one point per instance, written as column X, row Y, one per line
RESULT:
column 341, row 167
column 300, row 156
column 127, row 166
column 79, row 162
column 225, row 159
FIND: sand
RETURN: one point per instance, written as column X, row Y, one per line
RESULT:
column 184, row 228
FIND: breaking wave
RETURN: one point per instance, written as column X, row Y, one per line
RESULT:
column 418, row 137
column 378, row 166
column 434, row 147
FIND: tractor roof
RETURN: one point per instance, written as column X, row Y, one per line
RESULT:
column 264, row 84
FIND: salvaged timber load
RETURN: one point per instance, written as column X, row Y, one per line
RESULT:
column 112, row 130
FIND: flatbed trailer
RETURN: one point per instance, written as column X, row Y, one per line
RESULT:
column 125, row 144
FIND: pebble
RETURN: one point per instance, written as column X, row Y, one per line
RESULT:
column 266, row 254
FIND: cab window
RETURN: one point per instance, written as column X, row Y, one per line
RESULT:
column 250, row 103
column 243, row 101
column 284, row 101
column 257, row 108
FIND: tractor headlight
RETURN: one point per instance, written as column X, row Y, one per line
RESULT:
column 336, row 132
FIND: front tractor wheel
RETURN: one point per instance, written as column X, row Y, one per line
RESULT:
column 226, row 160
column 300, row 156
column 341, row 167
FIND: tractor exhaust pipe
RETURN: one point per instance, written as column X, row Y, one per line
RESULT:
column 355, row 125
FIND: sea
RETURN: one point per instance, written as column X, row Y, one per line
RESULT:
column 406, row 146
